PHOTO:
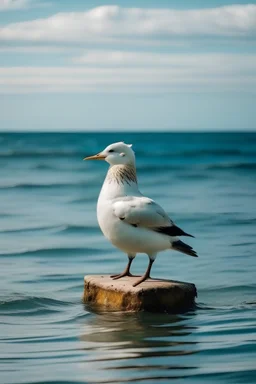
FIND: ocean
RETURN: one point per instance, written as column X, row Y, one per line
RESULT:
column 50, row 239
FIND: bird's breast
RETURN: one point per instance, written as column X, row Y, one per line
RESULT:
column 110, row 191
column 106, row 218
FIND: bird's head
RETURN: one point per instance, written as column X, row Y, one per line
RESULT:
column 115, row 154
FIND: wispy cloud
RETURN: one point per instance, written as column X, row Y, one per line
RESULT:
column 206, row 63
column 117, row 23
column 10, row 5
column 44, row 49
column 112, row 70
column 166, row 73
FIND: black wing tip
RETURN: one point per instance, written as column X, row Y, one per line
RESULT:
column 193, row 253
column 172, row 230
column 190, row 252
column 184, row 248
column 187, row 234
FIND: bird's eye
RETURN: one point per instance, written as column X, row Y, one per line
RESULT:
column 111, row 150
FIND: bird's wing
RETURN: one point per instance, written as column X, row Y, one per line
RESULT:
column 143, row 212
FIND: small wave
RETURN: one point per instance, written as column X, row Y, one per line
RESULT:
column 185, row 176
column 85, row 199
column 204, row 307
column 33, row 229
column 53, row 228
column 58, row 168
column 78, row 229
column 84, row 229
column 249, row 304
column 242, row 244
column 149, row 168
column 41, row 152
column 236, row 221
column 30, row 186
column 50, row 252
column 220, row 152
column 195, row 152
column 35, row 186
column 6, row 214
column 19, row 303
column 39, row 381
column 45, row 167
column 210, row 152
column 242, row 166
column 231, row 288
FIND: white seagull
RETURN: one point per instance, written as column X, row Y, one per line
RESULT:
column 130, row 221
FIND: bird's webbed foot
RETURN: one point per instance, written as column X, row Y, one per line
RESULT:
column 123, row 274
column 126, row 272
column 140, row 280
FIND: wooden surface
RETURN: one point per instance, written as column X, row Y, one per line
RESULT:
column 153, row 295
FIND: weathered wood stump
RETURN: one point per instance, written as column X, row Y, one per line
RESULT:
column 152, row 295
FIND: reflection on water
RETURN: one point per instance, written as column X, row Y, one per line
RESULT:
column 131, row 347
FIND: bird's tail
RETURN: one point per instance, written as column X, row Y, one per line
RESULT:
column 184, row 248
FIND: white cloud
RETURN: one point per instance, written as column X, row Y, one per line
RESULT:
column 206, row 63
column 166, row 73
column 8, row 5
column 37, row 49
column 117, row 23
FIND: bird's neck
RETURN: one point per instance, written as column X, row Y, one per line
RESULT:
column 122, row 173
column 121, row 180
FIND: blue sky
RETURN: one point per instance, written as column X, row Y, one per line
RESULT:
column 127, row 65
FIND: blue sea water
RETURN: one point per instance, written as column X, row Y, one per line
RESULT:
column 49, row 239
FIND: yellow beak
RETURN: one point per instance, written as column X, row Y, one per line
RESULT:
column 99, row 156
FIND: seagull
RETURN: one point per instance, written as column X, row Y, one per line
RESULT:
column 131, row 221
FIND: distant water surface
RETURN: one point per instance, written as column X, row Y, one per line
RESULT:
column 50, row 239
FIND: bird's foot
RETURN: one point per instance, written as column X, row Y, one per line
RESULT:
column 123, row 274
column 139, row 281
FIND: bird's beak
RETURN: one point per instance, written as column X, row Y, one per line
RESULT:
column 99, row 156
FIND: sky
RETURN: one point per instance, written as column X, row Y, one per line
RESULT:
column 131, row 65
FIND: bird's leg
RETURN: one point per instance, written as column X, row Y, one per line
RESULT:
column 126, row 271
column 147, row 273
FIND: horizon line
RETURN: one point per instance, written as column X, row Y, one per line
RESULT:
column 132, row 131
